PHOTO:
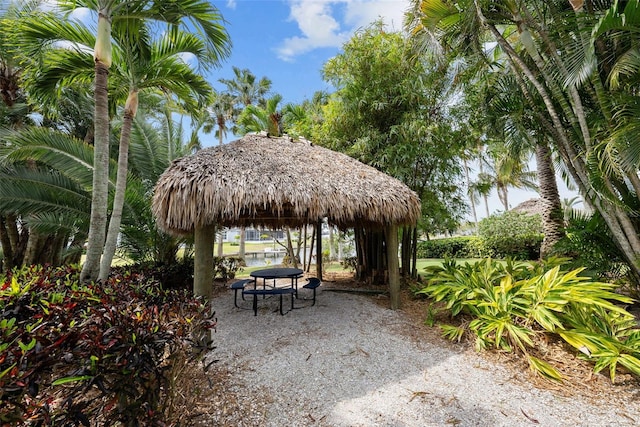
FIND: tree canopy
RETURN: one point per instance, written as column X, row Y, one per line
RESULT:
column 390, row 110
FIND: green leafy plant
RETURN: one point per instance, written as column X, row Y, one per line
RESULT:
column 226, row 267
column 510, row 303
column 350, row 263
column 589, row 244
column 611, row 338
column 455, row 247
column 511, row 234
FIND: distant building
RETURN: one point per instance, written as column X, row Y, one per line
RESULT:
column 232, row 235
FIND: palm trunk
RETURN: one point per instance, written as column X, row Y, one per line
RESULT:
column 100, row 189
column 503, row 196
column 481, row 171
column 220, row 243
column 290, row 253
column 552, row 218
column 33, row 245
column 304, row 245
column 332, row 254
column 130, row 109
column 7, row 250
column 243, row 239
column 471, row 196
column 618, row 222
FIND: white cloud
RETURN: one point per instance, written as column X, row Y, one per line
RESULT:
column 188, row 58
column 329, row 23
column 318, row 26
column 83, row 14
column 231, row 4
column 361, row 13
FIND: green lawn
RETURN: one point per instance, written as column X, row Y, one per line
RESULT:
column 336, row 267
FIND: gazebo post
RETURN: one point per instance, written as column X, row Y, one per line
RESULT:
column 204, row 239
column 319, row 249
column 391, row 237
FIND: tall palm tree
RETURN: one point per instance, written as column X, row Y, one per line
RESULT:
column 198, row 16
column 222, row 111
column 134, row 55
column 208, row 41
column 171, row 75
column 509, row 170
column 154, row 145
column 508, row 108
column 246, row 88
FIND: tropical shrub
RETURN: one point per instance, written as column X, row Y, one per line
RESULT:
column 511, row 234
column 510, row 303
column 226, row 267
column 174, row 275
column 589, row 244
column 454, row 247
column 71, row 353
column 350, row 263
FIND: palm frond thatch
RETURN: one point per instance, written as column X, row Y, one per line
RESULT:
column 272, row 182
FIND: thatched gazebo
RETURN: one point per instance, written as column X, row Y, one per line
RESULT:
column 273, row 182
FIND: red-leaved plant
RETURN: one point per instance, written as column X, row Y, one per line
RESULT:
column 71, row 353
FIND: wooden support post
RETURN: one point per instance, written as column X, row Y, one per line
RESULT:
column 391, row 236
column 319, row 249
column 203, row 259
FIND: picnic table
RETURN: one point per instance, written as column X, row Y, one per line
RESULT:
column 277, row 273
column 271, row 290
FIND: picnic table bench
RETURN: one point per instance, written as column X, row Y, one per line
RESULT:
column 269, row 291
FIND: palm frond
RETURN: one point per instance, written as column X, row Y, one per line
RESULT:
column 45, row 31
column 29, row 190
column 61, row 152
column 200, row 15
column 627, row 65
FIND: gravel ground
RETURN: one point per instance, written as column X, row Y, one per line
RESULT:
column 349, row 361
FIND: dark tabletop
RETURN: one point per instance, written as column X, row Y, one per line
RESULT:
column 276, row 273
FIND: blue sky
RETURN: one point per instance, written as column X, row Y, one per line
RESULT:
column 288, row 41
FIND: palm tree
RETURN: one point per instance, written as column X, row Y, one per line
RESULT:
column 47, row 178
column 246, row 89
column 198, row 16
column 546, row 46
column 267, row 119
column 171, row 75
column 56, row 195
column 222, row 110
column 154, row 145
column 507, row 170
column 134, row 55
column 523, row 136
column 208, row 42
column 14, row 230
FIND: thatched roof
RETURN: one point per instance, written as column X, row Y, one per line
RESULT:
column 272, row 182
column 530, row 207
